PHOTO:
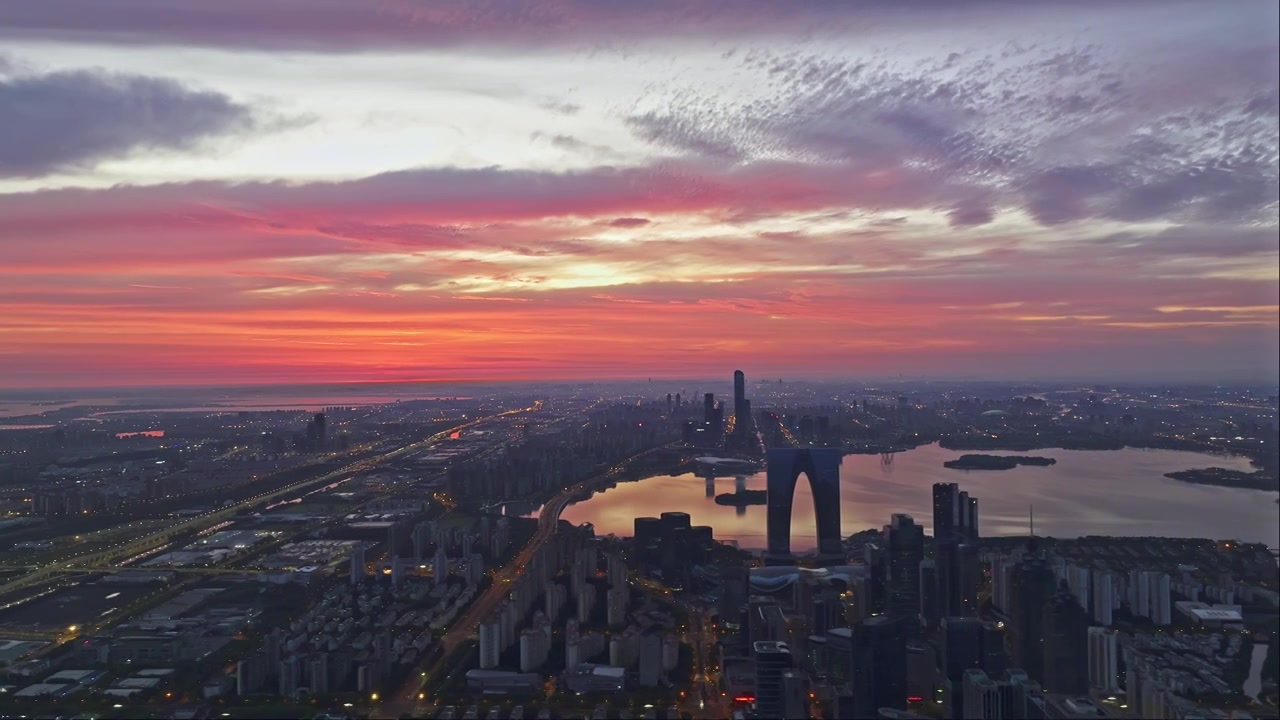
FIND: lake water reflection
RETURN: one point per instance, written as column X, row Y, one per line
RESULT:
column 1121, row 492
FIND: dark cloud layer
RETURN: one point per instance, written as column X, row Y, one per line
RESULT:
column 338, row 25
column 72, row 120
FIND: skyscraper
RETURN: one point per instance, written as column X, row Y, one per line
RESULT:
column 945, row 518
column 968, row 576
column 739, row 394
column 1032, row 589
column 322, row 430
column 968, row 644
column 929, row 606
column 868, row 665
column 713, row 418
column 357, row 564
column 1066, row 644
column 773, row 659
column 795, row 694
column 955, row 522
column 880, row 664
column 734, row 592
column 646, row 541
column 966, row 517
column 904, row 544
column 971, row 521
column 981, row 697
column 840, row 659
column 741, row 407
column 822, row 467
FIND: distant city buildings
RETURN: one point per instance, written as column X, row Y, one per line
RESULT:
column 354, row 584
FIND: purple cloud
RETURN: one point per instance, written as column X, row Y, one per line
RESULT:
column 68, row 120
column 628, row 222
column 344, row 25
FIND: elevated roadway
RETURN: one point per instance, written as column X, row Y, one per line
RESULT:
column 107, row 556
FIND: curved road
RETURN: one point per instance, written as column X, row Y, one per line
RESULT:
column 406, row 700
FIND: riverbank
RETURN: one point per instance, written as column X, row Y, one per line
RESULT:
column 997, row 462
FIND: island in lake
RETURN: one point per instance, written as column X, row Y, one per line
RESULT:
column 1222, row 477
column 744, row 498
column 996, row 462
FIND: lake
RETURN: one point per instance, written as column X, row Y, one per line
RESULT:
column 1088, row 492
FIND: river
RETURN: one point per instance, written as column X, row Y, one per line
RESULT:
column 1088, row 492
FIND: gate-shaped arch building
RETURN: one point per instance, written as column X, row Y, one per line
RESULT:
column 822, row 467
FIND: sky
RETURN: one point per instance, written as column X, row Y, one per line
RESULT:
column 270, row 191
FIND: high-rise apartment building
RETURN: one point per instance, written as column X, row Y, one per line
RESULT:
column 773, row 660
column 357, row 564
column 1104, row 660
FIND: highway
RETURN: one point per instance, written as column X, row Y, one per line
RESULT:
column 702, row 636
column 406, row 700
column 111, row 554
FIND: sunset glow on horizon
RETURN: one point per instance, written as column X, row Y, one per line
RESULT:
column 315, row 191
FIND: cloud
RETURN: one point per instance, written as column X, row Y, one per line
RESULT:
column 426, row 206
column 970, row 216
column 628, row 222
column 344, row 25
column 1104, row 208
column 695, row 134
column 73, row 120
column 562, row 107
column 474, row 308
column 1065, row 133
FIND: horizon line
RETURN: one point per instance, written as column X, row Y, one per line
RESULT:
column 643, row 379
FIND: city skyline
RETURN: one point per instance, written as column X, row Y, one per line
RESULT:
column 544, row 190
column 539, row 551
